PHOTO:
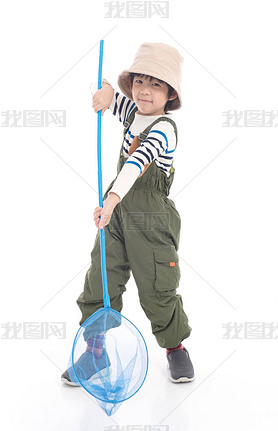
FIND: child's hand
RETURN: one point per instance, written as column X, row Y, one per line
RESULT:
column 106, row 212
column 103, row 98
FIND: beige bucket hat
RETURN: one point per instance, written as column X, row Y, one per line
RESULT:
column 160, row 61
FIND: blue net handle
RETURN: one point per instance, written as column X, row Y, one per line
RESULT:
column 106, row 298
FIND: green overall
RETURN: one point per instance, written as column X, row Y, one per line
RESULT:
column 143, row 237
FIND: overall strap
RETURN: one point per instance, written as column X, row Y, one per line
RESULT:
column 129, row 119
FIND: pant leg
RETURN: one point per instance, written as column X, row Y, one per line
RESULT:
column 118, row 273
column 152, row 230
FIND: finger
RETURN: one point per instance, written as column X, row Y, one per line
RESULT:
column 96, row 217
column 97, row 212
column 95, row 101
column 96, row 108
column 97, row 220
column 102, row 112
column 102, row 222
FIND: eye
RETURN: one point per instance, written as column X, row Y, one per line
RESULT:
column 138, row 81
column 156, row 84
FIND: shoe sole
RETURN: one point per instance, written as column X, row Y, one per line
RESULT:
column 68, row 382
column 95, row 377
column 181, row 379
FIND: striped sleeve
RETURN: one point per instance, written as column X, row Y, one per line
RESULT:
column 160, row 143
column 121, row 106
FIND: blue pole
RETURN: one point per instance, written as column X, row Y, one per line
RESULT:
column 106, row 298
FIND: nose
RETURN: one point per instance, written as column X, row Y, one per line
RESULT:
column 145, row 89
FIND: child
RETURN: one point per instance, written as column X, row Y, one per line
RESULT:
column 142, row 226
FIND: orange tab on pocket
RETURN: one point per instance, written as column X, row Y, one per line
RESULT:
column 172, row 264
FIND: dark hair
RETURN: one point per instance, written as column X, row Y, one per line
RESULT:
column 170, row 89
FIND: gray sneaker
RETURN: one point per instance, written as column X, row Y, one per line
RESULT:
column 180, row 368
column 86, row 367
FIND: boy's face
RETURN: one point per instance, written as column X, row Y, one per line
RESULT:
column 150, row 96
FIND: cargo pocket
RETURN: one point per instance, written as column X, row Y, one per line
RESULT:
column 167, row 270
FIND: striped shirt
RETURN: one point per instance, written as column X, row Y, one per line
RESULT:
column 159, row 146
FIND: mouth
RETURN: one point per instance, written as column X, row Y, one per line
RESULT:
column 145, row 101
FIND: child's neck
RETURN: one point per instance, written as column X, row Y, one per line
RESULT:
column 155, row 114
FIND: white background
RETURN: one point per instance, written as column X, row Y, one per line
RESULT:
column 225, row 190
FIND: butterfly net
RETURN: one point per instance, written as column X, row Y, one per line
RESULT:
column 109, row 358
